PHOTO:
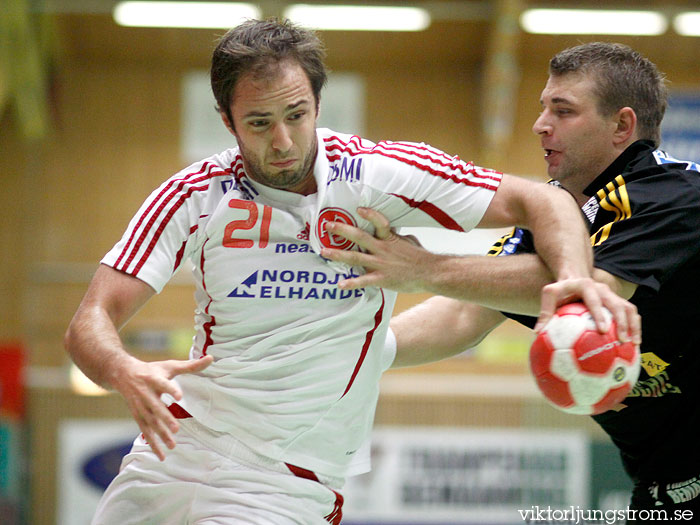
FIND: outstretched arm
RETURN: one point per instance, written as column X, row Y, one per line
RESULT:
column 442, row 327
column 438, row 328
column 560, row 235
column 93, row 342
column 519, row 283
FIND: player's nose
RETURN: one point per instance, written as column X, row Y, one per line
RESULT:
column 281, row 138
column 542, row 124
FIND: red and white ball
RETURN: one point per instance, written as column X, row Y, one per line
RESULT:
column 578, row 369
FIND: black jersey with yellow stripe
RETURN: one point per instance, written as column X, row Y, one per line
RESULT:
column 644, row 220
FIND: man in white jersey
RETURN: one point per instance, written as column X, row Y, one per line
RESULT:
column 274, row 408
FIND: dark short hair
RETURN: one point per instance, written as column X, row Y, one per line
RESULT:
column 258, row 46
column 623, row 78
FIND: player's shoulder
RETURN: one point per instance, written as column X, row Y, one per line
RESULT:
column 389, row 156
column 662, row 177
column 201, row 184
column 220, row 165
column 336, row 143
column 213, row 174
column 671, row 163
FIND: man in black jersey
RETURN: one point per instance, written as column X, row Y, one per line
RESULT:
column 600, row 129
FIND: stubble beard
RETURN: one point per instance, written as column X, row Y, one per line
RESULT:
column 288, row 180
column 575, row 177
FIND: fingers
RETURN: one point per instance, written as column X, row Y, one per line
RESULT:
column 365, row 240
column 363, row 281
column 351, row 258
column 159, row 432
column 548, row 306
column 627, row 319
column 360, row 237
column 636, row 327
column 619, row 313
column 190, row 366
column 624, row 313
column 622, row 323
column 597, row 297
column 177, row 367
column 382, row 228
column 156, row 422
column 562, row 292
column 389, row 262
column 142, row 386
column 592, row 299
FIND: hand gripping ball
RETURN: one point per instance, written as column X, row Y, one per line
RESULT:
column 578, row 369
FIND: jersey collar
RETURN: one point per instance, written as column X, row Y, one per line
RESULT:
column 619, row 165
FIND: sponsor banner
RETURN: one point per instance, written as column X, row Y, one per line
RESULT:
column 420, row 475
column 459, row 476
column 89, row 454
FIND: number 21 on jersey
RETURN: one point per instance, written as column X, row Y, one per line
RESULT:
column 231, row 241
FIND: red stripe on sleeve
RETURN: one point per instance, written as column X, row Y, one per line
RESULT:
column 408, row 153
column 161, row 227
column 433, row 211
column 165, row 189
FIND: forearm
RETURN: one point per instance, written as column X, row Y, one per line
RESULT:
column 439, row 328
column 553, row 217
column 92, row 338
column 511, row 284
column 93, row 343
column 560, row 235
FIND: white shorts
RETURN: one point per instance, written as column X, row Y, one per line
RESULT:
column 209, row 478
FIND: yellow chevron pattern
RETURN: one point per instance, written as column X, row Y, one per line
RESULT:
column 612, row 198
column 498, row 245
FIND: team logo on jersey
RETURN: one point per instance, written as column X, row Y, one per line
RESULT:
column 334, row 241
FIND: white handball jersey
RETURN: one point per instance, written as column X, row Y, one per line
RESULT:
column 297, row 361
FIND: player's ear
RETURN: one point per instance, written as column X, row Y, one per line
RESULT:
column 626, row 124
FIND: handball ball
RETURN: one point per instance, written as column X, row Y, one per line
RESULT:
column 578, row 369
